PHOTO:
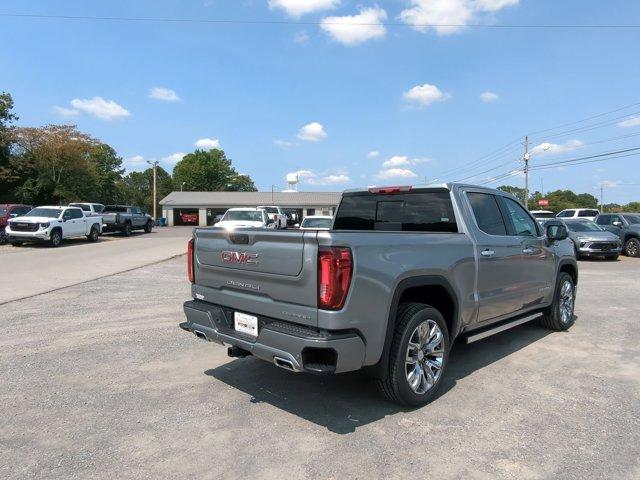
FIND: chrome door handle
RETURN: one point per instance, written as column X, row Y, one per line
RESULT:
column 528, row 250
column 487, row 253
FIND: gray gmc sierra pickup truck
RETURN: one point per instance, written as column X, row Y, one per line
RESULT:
column 402, row 274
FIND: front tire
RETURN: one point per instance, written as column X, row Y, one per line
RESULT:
column 560, row 315
column 632, row 248
column 126, row 231
column 55, row 239
column 148, row 227
column 418, row 357
column 16, row 244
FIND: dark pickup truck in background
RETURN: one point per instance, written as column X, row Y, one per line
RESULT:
column 402, row 274
column 125, row 219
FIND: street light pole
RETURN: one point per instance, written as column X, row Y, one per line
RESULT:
column 154, row 164
column 526, row 171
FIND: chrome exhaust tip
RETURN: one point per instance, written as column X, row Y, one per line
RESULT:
column 284, row 363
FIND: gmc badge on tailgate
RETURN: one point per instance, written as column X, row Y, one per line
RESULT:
column 232, row 256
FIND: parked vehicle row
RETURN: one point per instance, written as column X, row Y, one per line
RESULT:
column 400, row 275
column 53, row 224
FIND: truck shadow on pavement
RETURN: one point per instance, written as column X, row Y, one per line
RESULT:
column 342, row 403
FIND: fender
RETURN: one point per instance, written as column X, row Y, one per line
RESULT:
column 568, row 261
column 381, row 369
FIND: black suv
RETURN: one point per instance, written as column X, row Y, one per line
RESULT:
column 626, row 226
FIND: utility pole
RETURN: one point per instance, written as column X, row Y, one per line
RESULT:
column 154, row 164
column 601, row 196
column 525, row 157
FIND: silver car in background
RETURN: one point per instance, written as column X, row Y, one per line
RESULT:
column 591, row 240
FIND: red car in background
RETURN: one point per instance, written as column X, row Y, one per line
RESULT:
column 189, row 218
column 8, row 211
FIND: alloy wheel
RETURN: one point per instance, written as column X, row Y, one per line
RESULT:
column 566, row 302
column 425, row 357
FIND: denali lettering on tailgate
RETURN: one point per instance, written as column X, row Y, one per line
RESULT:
column 231, row 256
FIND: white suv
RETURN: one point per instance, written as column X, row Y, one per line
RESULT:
column 584, row 213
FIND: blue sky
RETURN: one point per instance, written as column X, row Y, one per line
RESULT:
column 344, row 105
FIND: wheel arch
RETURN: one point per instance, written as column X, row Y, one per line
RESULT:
column 434, row 290
column 570, row 267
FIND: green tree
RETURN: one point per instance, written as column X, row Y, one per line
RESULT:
column 136, row 188
column 515, row 191
column 109, row 170
column 210, row 170
column 6, row 119
column 632, row 207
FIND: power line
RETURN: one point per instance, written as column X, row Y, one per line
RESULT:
column 220, row 21
column 572, row 160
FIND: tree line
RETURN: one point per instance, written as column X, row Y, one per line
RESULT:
column 58, row 164
column 562, row 199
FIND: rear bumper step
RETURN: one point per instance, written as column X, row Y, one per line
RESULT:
column 493, row 329
column 290, row 346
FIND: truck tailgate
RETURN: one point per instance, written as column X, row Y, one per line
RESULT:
column 267, row 271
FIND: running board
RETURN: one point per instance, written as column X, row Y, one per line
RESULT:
column 474, row 337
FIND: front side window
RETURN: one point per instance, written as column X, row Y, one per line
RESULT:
column 523, row 224
column 566, row 213
column 76, row 213
column 603, row 219
column 487, row 213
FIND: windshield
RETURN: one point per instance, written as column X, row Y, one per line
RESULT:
column 633, row 219
column 83, row 206
column 270, row 209
column 44, row 212
column 583, row 227
column 245, row 215
column 317, row 223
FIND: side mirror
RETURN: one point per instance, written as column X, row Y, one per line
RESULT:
column 13, row 215
column 617, row 223
column 556, row 231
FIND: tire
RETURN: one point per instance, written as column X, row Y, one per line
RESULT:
column 411, row 318
column 126, row 231
column 55, row 239
column 3, row 237
column 16, row 244
column 632, row 248
column 148, row 227
column 560, row 315
column 94, row 234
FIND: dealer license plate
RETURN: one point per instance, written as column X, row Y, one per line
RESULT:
column 246, row 323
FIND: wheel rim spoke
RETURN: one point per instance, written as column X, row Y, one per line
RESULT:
column 424, row 356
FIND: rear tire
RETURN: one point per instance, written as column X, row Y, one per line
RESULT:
column 3, row 237
column 560, row 315
column 93, row 234
column 55, row 239
column 632, row 248
column 148, row 227
column 126, row 231
column 419, row 355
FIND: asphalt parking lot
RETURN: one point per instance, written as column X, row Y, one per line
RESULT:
column 99, row 382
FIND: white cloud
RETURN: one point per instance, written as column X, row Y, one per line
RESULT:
column 610, row 183
column 312, row 132
column 135, row 163
column 451, row 16
column 312, row 178
column 424, row 95
column 301, row 37
column 207, row 143
column 356, row 29
column 489, row 97
column 173, row 158
column 403, row 161
column 373, row 154
column 100, row 108
column 399, row 173
column 284, row 144
column 632, row 121
column 164, row 94
column 556, row 148
column 66, row 112
column 297, row 8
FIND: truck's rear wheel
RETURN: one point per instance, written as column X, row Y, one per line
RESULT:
column 126, row 231
column 418, row 357
column 148, row 227
column 560, row 315
column 93, row 234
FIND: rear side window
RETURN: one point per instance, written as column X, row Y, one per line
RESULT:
column 587, row 213
column 405, row 212
column 487, row 213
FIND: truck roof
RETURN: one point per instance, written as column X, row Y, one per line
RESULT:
column 445, row 185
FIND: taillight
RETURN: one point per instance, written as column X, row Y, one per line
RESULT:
column 335, row 267
column 190, row 272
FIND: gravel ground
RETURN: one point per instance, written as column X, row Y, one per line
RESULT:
column 97, row 381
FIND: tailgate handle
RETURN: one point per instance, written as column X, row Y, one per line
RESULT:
column 239, row 238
